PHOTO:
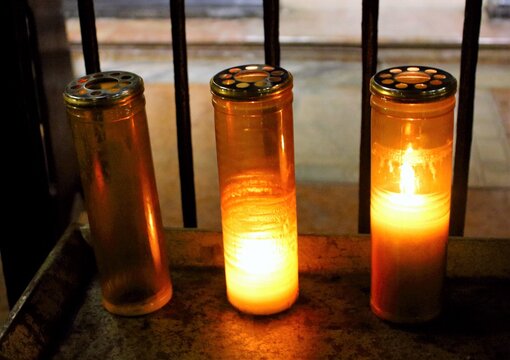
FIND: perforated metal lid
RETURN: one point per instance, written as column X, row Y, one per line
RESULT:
column 103, row 88
column 413, row 83
column 251, row 81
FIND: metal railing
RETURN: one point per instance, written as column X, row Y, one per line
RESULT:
column 370, row 9
column 20, row 265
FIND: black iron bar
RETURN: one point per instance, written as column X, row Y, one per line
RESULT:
column 184, row 144
column 369, row 23
column 271, row 32
column 89, row 36
column 466, row 98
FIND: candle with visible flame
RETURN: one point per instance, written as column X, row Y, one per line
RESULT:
column 409, row 237
column 255, row 151
column 410, row 196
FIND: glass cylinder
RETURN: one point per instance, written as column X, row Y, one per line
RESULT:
column 106, row 111
column 255, row 153
column 411, row 173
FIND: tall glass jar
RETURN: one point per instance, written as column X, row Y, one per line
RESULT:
column 411, row 173
column 106, row 111
column 255, row 153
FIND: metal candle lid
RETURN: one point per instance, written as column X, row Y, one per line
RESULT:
column 413, row 83
column 252, row 81
column 103, row 88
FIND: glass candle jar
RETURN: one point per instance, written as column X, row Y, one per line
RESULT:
column 255, row 153
column 411, row 173
column 106, row 111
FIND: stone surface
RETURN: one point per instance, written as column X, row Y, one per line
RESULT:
column 61, row 315
column 47, row 306
column 331, row 320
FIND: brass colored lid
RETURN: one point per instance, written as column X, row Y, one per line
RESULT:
column 413, row 83
column 251, row 81
column 103, row 88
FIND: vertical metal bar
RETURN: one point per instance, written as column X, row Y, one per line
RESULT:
column 466, row 97
column 369, row 46
column 88, row 35
column 184, row 145
column 271, row 32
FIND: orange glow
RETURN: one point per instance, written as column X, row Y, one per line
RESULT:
column 260, row 240
column 255, row 152
column 258, row 256
column 152, row 234
column 409, row 236
column 410, row 208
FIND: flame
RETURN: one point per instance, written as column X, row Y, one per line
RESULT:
column 407, row 175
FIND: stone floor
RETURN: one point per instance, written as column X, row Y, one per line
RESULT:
column 320, row 46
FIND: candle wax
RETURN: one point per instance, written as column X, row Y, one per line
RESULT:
column 260, row 240
column 409, row 236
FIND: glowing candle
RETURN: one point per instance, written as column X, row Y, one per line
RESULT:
column 255, row 150
column 412, row 136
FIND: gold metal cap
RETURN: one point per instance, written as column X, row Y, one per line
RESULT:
column 103, row 88
column 413, row 83
column 245, row 82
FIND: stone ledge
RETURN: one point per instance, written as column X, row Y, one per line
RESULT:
column 343, row 254
column 60, row 314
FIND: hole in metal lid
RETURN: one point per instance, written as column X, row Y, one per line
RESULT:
column 102, row 83
column 262, row 83
column 251, row 76
column 412, row 77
